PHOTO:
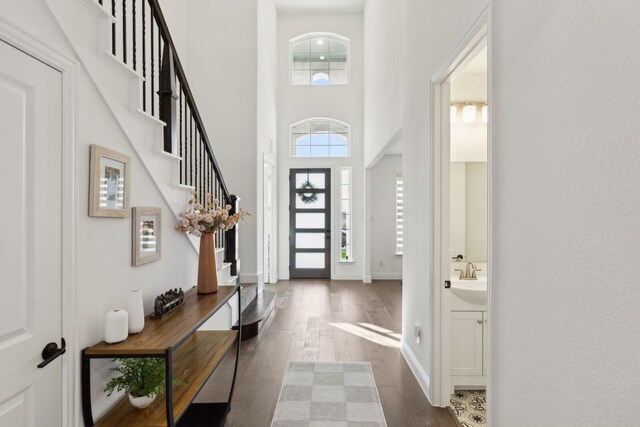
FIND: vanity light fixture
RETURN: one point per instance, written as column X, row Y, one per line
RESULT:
column 453, row 113
column 485, row 113
column 322, row 58
column 469, row 113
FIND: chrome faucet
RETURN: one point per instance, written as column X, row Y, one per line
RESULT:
column 469, row 273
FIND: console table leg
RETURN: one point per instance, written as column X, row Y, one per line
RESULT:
column 169, row 386
column 86, row 390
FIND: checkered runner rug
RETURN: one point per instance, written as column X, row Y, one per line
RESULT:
column 329, row 395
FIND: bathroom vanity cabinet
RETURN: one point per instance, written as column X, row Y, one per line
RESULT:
column 468, row 345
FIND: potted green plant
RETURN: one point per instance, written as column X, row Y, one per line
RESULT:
column 142, row 378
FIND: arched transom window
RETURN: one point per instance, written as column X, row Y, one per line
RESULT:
column 320, row 138
column 319, row 59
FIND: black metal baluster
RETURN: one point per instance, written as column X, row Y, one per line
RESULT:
column 180, row 137
column 159, row 74
column 191, row 151
column 187, row 118
column 196, row 183
column 113, row 28
column 184, row 158
column 124, row 31
column 133, row 20
column 153, row 95
column 159, row 65
column 144, row 57
column 201, row 169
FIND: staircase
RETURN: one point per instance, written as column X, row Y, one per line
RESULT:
column 127, row 49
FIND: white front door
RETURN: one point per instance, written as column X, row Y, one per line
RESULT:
column 30, row 239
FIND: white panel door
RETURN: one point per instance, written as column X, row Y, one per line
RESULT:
column 466, row 343
column 30, row 245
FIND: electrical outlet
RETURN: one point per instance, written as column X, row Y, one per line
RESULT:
column 381, row 263
column 417, row 332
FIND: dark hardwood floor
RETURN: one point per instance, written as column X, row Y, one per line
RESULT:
column 322, row 320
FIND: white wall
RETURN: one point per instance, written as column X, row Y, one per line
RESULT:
column 222, row 43
column 383, row 218
column 177, row 17
column 343, row 102
column 566, row 202
column 104, row 274
column 405, row 44
column 564, row 293
column 267, row 123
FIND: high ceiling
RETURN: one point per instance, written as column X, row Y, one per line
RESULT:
column 320, row 6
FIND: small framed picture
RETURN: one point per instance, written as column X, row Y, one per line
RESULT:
column 147, row 223
column 109, row 183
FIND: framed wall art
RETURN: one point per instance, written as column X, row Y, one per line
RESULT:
column 109, row 183
column 146, row 230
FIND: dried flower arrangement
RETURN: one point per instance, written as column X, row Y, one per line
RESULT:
column 207, row 218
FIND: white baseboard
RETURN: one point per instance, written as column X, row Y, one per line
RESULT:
column 386, row 276
column 416, row 368
column 366, row 279
column 346, row 277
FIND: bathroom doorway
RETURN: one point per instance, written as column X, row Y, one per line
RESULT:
column 461, row 228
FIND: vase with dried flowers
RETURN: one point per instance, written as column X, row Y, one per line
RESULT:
column 203, row 220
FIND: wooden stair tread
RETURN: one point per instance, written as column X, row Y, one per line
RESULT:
column 257, row 308
column 193, row 363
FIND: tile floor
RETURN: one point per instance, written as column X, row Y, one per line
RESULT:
column 470, row 406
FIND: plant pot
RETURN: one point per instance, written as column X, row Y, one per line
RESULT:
column 207, row 271
column 143, row 401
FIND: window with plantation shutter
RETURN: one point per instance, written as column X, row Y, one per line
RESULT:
column 399, row 215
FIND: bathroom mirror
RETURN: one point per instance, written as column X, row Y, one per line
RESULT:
column 468, row 165
column 468, row 211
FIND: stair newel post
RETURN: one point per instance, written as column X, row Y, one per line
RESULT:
column 231, row 238
column 168, row 97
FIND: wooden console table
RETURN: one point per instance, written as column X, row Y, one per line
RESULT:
column 189, row 354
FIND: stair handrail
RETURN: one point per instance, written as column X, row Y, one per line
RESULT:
column 166, row 34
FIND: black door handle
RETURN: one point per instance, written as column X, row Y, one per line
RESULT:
column 51, row 352
column 447, row 284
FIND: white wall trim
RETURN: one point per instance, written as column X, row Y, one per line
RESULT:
column 473, row 41
column 416, row 368
column 67, row 67
column 367, row 279
column 99, row 10
column 386, row 276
